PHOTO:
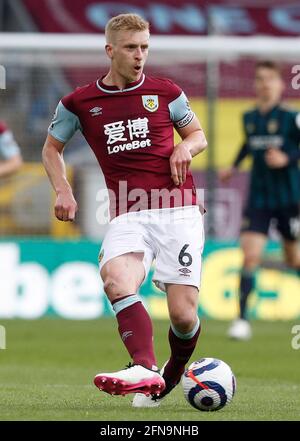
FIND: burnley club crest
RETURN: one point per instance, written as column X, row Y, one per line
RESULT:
column 150, row 102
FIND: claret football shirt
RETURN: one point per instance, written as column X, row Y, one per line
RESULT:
column 131, row 134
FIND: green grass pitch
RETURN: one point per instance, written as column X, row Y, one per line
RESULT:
column 47, row 370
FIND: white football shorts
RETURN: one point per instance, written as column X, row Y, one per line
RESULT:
column 173, row 237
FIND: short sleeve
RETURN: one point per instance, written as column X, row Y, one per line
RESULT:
column 295, row 155
column 180, row 111
column 64, row 124
column 297, row 124
column 8, row 146
column 297, row 121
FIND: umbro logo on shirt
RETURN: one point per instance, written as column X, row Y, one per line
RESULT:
column 95, row 111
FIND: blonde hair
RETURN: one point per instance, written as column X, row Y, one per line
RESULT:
column 125, row 22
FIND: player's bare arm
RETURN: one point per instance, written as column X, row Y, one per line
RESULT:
column 10, row 165
column 193, row 142
column 65, row 206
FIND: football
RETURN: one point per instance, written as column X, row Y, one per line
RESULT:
column 208, row 384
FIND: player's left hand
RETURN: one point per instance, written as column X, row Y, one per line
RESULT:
column 180, row 161
column 276, row 158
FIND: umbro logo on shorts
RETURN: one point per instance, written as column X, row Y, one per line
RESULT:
column 185, row 272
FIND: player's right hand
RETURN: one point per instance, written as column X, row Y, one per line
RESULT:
column 225, row 174
column 65, row 207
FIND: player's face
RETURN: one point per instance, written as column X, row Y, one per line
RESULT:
column 128, row 53
column 268, row 84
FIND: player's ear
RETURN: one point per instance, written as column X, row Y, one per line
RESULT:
column 109, row 50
